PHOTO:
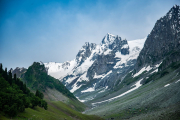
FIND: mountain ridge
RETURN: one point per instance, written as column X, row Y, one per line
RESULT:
column 112, row 53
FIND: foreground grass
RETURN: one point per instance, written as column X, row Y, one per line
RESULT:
column 76, row 105
column 56, row 111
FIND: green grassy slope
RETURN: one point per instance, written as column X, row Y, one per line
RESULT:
column 55, row 95
column 57, row 110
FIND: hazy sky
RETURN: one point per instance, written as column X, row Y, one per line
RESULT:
column 55, row 30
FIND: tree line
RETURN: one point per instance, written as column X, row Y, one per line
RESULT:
column 15, row 96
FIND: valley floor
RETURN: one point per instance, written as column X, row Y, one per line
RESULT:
column 56, row 111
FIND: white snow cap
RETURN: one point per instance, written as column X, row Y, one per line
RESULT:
column 109, row 38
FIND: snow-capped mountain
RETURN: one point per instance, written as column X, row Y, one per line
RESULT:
column 97, row 68
column 59, row 70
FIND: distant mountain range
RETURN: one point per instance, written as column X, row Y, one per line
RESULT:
column 97, row 67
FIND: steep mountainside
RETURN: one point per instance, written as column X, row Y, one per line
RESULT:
column 97, row 68
column 36, row 78
column 150, row 91
column 163, row 43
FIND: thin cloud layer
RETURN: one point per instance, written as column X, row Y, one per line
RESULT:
column 56, row 30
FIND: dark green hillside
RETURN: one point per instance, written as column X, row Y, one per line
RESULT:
column 36, row 77
column 17, row 102
column 15, row 96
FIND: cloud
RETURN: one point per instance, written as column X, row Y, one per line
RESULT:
column 55, row 31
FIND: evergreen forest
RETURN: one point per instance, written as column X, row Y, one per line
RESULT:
column 15, row 96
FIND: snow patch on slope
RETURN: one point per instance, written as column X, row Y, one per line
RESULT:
column 107, row 52
column 83, row 77
column 148, row 68
column 135, row 47
column 89, row 89
column 69, row 80
column 105, row 88
column 177, row 81
column 125, row 46
column 166, row 85
column 102, row 76
column 85, row 65
column 142, row 70
column 75, row 87
column 98, row 76
column 59, row 70
column 137, row 85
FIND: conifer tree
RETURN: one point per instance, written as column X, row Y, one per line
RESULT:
column 39, row 94
column 5, row 75
column 10, row 77
column 15, row 78
column 6, row 70
column 15, row 98
column 1, row 69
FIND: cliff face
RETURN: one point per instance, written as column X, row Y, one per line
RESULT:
column 163, row 40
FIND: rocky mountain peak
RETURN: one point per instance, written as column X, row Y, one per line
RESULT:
column 38, row 66
column 115, row 43
column 174, row 13
column 175, row 8
column 108, row 38
column 110, row 41
column 163, row 40
column 90, row 46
